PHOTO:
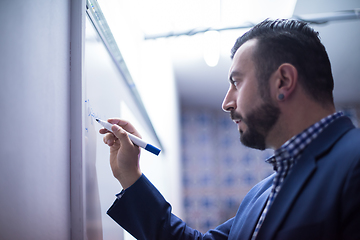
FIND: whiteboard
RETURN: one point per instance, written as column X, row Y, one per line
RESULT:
column 107, row 92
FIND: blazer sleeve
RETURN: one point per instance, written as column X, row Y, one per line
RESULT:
column 145, row 214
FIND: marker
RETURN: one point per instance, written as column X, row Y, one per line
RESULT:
column 133, row 138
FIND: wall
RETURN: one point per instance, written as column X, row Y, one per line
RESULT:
column 150, row 65
column 34, row 105
column 37, row 158
column 151, row 68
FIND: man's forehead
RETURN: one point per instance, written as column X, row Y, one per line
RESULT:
column 242, row 56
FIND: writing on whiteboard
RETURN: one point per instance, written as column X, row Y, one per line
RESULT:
column 90, row 114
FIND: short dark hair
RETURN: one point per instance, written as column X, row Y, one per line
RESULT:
column 291, row 41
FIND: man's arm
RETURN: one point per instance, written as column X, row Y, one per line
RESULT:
column 144, row 213
column 142, row 210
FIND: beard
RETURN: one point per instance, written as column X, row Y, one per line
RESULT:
column 259, row 122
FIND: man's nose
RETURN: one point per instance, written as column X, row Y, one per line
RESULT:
column 229, row 102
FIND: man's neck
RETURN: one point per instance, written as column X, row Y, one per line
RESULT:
column 292, row 122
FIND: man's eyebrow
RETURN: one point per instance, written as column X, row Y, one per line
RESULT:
column 234, row 74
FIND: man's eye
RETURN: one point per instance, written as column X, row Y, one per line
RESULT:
column 234, row 83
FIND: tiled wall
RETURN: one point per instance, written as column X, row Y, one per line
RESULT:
column 218, row 170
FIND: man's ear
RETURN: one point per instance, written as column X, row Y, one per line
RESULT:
column 286, row 81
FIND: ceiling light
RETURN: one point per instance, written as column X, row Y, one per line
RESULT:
column 211, row 48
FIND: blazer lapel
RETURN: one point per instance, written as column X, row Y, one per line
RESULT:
column 285, row 197
column 250, row 210
column 303, row 170
column 253, row 215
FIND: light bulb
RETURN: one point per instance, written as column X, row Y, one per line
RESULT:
column 211, row 48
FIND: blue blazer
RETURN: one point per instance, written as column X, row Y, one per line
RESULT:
column 320, row 199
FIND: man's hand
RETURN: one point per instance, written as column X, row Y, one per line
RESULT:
column 124, row 155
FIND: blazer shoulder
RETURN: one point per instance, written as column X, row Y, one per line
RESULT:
column 350, row 142
column 259, row 188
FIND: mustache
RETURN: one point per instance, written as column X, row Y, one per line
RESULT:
column 234, row 115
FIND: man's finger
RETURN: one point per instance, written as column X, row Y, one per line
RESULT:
column 125, row 125
column 121, row 135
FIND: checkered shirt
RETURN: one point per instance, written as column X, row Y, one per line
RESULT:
column 285, row 157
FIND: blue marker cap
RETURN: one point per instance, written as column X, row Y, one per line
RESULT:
column 152, row 149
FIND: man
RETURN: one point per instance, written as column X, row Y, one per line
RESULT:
column 280, row 97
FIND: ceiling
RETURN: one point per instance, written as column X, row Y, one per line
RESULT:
column 204, row 86
column 201, row 85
